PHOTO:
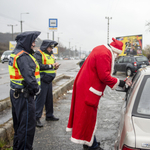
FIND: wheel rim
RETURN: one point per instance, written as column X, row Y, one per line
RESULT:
column 128, row 72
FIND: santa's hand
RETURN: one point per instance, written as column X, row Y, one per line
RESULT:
column 128, row 82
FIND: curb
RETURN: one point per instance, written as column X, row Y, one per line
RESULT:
column 6, row 130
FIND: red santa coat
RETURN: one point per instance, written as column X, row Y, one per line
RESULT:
column 88, row 88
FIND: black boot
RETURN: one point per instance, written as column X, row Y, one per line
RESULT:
column 53, row 118
column 85, row 147
column 38, row 123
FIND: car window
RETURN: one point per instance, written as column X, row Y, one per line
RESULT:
column 126, row 59
column 140, row 59
column 120, row 60
column 130, row 60
column 144, row 102
column 7, row 52
column 134, row 81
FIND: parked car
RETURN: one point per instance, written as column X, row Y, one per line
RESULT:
column 80, row 63
column 134, row 128
column 5, row 56
column 130, row 64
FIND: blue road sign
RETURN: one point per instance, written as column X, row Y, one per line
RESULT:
column 53, row 23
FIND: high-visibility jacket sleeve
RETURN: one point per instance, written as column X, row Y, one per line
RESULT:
column 27, row 68
column 38, row 57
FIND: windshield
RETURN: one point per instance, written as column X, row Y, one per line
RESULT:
column 140, row 59
column 7, row 53
column 144, row 101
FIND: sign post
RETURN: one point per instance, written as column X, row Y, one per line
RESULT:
column 53, row 24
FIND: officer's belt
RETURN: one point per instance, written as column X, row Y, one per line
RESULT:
column 18, row 90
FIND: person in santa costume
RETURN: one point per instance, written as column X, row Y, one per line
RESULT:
column 89, row 85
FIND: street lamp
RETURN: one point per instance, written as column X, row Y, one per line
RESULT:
column 12, row 29
column 108, row 29
column 21, row 19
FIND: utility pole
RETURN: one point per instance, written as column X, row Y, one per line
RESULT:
column 80, row 52
column 69, row 46
column 21, row 20
column 47, row 35
column 108, row 29
column 69, row 49
column 53, row 35
column 12, row 29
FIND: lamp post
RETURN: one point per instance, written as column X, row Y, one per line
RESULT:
column 12, row 29
column 108, row 29
column 21, row 19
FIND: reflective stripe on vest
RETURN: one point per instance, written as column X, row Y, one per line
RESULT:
column 47, row 59
column 15, row 74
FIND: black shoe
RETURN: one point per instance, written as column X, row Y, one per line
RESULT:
column 38, row 123
column 86, row 147
column 52, row 119
column 98, row 148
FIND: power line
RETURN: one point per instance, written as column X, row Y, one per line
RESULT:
column 8, row 17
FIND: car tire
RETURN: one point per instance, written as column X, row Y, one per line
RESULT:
column 114, row 72
column 2, row 62
column 129, row 72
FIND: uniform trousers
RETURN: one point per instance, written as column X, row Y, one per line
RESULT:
column 44, row 98
column 23, row 113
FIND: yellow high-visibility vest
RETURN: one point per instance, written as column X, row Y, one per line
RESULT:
column 14, row 72
column 47, row 59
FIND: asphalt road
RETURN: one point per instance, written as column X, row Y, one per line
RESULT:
column 67, row 67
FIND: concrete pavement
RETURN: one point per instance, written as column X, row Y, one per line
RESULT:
column 53, row 135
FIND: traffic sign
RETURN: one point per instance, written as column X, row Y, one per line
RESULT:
column 55, row 50
column 53, row 24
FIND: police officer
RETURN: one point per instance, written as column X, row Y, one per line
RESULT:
column 46, row 60
column 25, row 84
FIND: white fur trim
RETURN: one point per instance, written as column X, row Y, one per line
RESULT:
column 114, row 87
column 112, row 63
column 83, row 141
column 68, row 129
column 95, row 91
column 116, row 50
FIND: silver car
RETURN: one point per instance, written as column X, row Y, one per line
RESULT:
column 5, row 56
column 134, row 129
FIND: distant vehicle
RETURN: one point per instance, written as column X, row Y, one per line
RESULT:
column 5, row 56
column 130, row 64
column 134, row 130
column 80, row 63
column 72, row 58
column 66, row 58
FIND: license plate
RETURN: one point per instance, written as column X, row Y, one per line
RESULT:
column 143, row 66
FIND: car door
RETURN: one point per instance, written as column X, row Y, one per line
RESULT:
column 118, row 64
column 125, row 105
column 124, row 63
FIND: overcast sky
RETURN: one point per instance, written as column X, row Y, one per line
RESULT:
column 82, row 22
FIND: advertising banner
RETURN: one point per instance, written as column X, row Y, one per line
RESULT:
column 132, row 45
column 12, row 45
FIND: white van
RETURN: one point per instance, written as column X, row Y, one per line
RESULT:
column 5, row 56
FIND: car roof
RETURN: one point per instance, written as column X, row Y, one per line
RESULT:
column 145, row 70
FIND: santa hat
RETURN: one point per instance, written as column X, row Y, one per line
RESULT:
column 116, row 46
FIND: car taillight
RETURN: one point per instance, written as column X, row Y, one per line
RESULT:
column 128, row 148
column 135, row 64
